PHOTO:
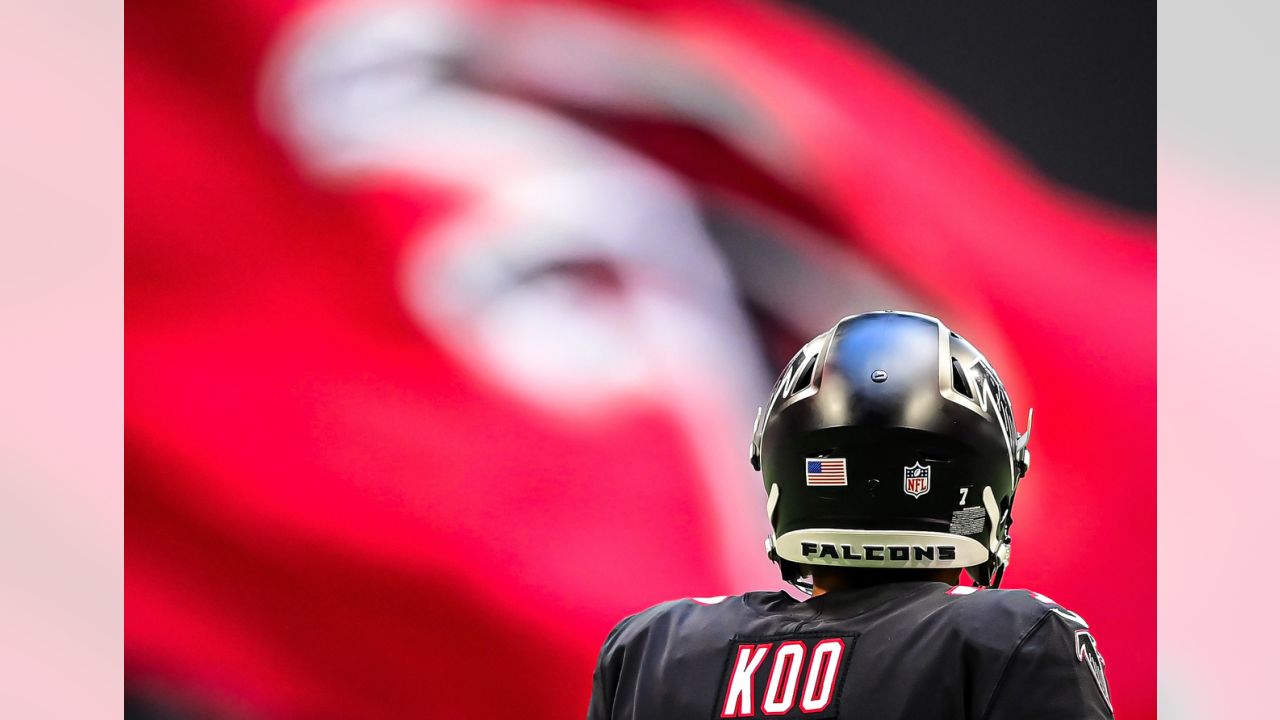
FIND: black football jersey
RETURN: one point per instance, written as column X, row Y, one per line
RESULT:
column 909, row 651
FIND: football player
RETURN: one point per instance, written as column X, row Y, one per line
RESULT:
column 890, row 462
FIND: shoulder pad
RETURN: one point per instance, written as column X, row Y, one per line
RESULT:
column 1055, row 608
column 667, row 613
column 1001, row 616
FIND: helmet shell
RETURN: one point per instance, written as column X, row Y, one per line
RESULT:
column 889, row 442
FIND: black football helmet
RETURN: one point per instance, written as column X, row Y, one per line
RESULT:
column 889, row 442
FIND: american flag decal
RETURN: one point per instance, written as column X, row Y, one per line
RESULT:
column 824, row 471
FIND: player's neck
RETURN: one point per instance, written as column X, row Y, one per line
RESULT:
column 827, row 580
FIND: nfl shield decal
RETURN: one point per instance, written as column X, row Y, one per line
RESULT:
column 915, row 480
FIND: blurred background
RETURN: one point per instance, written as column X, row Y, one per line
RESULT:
column 446, row 322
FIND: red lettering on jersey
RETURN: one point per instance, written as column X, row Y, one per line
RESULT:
column 820, row 683
column 780, row 693
column 739, row 700
column 784, row 685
